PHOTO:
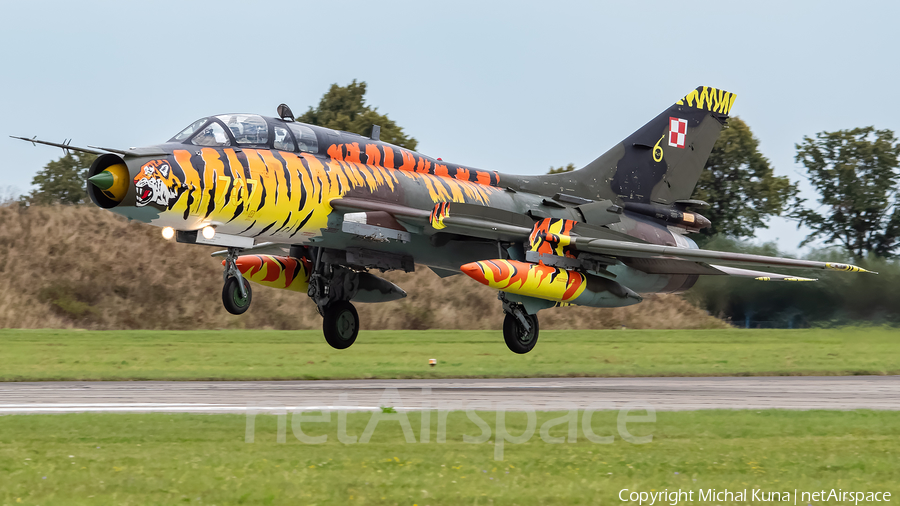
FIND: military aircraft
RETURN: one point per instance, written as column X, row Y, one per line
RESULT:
column 313, row 210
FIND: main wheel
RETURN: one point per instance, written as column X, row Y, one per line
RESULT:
column 517, row 339
column 340, row 325
column 231, row 296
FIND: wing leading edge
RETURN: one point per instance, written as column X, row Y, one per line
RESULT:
column 644, row 250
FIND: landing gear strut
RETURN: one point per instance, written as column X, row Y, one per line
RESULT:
column 236, row 294
column 331, row 287
column 520, row 329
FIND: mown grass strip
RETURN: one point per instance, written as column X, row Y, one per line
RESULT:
column 168, row 459
column 40, row 355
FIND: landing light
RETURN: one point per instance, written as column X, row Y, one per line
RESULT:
column 168, row 233
column 208, row 232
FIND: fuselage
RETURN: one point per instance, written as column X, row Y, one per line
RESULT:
column 275, row 181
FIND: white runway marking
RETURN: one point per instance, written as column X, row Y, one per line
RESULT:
column 138, row 407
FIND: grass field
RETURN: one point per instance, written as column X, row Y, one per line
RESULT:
column 169, row 459
column 36, row 355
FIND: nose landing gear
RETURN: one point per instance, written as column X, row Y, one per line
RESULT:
column 234, row 300
column 236, row 294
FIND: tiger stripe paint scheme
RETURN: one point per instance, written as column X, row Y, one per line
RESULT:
column 276, row 194
column 709, row 99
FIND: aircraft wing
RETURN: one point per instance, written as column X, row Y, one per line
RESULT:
column 497, row 225
column 623, row 249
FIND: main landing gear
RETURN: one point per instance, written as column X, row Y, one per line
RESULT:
column 340, row 324
column 236, row 294
column 331, row 287
column 520, row 329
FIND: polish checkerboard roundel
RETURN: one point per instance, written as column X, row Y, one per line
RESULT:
column 677, row 132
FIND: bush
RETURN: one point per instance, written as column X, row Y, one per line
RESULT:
column 838, row 298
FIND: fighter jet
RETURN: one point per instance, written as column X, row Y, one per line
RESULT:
column 314, row 210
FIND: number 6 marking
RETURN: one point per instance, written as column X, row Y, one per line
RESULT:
column 657, row 150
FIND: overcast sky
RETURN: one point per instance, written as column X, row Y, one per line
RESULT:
column 515, row 87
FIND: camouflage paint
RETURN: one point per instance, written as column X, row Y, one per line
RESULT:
column 646, row 166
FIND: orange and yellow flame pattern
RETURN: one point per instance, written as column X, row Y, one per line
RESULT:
column 532, row 280
column 286, row 273
column 440, row 211
column 551, row 236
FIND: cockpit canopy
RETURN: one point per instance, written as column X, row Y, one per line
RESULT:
column 249, row 130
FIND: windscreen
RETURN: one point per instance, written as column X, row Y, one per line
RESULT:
column 189, row 130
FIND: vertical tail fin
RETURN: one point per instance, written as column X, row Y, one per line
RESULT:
column 662, row 161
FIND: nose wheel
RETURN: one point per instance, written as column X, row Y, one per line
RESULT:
column 340, row 324
column 236, row 294
column 236, row 301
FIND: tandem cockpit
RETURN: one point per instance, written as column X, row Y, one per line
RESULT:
column 251, row 131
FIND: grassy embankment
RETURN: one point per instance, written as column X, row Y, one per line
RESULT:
column 168, row 459
column 83, row 267
column 29, row 355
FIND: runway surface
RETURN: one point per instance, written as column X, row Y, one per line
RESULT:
column 664, row 394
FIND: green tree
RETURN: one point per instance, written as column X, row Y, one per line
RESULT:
column 740, row 185
column 344, row 108
column 855, row 173
column 62, row 181
column 560, row 170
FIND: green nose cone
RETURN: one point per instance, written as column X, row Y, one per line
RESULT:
column 103, row 180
